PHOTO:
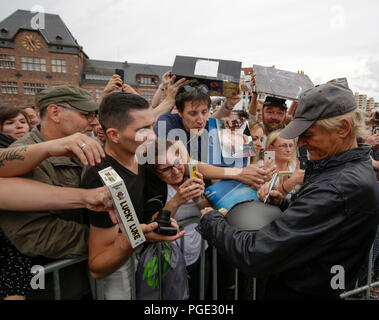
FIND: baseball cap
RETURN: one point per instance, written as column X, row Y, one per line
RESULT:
column 276, row 102
column 76, row 97
column 321, row 102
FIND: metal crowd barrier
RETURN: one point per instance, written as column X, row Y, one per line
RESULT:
column 98, row 292
column 369, row 285
column 55, row 267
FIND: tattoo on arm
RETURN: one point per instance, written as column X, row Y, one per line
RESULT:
column 12, row 154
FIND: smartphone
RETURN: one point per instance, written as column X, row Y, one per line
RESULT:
column 121, row 73
column 192, row 168
column 376, row 115
column 269, row 155
column 247, row 81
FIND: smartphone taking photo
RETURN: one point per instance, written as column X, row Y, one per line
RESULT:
column 267, row 156
column 121, row 73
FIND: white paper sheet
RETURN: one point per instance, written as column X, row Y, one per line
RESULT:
column 206, row 68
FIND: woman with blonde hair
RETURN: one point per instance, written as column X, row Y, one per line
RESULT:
column 285, row 161
column 257, row 135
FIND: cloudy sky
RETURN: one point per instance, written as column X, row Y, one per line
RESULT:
column 326, row 39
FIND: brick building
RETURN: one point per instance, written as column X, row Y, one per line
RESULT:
column 32, row 59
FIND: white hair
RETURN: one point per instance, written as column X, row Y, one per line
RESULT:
column 355, row 118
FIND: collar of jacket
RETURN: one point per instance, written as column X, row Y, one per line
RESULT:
column 362, row 152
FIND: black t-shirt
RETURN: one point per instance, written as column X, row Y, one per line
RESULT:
column 134, row 183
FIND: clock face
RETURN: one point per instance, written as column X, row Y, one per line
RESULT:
column 30, row 43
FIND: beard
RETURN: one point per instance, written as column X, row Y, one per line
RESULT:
column 273, row 125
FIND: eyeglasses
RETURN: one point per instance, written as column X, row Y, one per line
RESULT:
column 177, row 164
column 89, row 115
column 271, row 113
column 201, row 88
column 284, row 146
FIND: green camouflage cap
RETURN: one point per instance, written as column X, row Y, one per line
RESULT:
column 76, row 97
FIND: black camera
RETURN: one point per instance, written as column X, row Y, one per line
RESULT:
column 303, row 157
column 164, row 225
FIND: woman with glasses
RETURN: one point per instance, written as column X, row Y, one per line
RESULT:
column 285, row 160
column 180, row 196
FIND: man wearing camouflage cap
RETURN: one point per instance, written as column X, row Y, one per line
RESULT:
column 316, row 247
column 65, row 111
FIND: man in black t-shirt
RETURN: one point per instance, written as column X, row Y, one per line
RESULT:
column 122, row 117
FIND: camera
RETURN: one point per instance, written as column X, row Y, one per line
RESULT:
column 303, row 157
column 164, row 225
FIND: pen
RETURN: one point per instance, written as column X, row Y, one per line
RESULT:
column 272, row 184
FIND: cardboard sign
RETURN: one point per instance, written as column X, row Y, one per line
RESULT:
column 280, row 83
column 126, row 215
column 220, row 76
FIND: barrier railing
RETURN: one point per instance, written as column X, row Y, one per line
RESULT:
column 55, row 267
column 98, row 292
column 369, row 285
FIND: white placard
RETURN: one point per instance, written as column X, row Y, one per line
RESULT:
column 126, row 215
column 206, row 68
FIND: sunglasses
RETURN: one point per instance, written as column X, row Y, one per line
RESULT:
column 90, row 115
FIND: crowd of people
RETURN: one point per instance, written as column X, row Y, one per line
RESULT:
column 54, row 205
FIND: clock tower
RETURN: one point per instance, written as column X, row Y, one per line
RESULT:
column 33, row 59
column 31, row 43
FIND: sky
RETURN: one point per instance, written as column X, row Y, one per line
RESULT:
column 327, row 39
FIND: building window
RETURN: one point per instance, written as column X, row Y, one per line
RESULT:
column 9, row 87
column 33, row 64
column 97, row 77
column 148, row 95
column 7, row 62
column 147, row 80
column 98, row 93
column 30, row 89
column 58, row 66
